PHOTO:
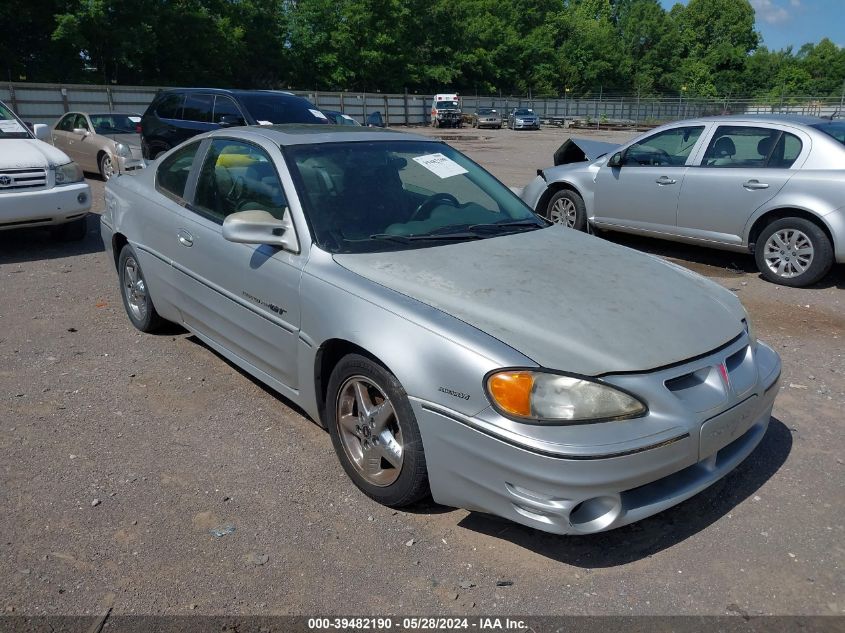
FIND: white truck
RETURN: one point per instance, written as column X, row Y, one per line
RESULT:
column 446, row 111
column 39, row 184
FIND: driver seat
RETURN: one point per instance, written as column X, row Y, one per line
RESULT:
column 723, row 152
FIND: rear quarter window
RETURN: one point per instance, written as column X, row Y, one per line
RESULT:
column 172, row 174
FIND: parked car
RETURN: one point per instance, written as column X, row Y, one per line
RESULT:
column 339, row 118
column 106, row 143
column 177, row 115
column 487, row 117
column 389, row 286
column 39, row 185
column 770, row 186
column 523, row 119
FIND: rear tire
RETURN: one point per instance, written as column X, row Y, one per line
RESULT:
column 74, row 231
column 135, row 293
column 793, row 252
column 567, row 209
column 375, row 433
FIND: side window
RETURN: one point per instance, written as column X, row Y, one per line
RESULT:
column 66, row 124
column 81, row 122
column 198, row 108
column 172, row 175
column 742, row 146
column 667, row 148
column 170, row 107
column 238, row 176
column 224, row 106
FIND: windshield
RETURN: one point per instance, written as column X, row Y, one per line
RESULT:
column 442, row 105
column 836, row 129
column 276, row 108
column 388, row 195
column 113, row 124
column 524, row 111
column 486, row 111
column 10, row 126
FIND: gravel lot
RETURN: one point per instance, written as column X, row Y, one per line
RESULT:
column 121, row 451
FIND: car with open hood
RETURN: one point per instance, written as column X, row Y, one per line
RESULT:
column 413, row 305
column 771, row 186
column 39, row 184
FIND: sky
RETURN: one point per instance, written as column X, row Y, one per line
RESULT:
column 795, row 22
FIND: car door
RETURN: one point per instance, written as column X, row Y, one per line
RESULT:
column 196, row 116
column 743, row 167
column 642, row 193
column 88, row 146
column 62, row 131
column 243, row 298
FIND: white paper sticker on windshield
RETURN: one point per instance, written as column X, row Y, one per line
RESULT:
column 317, row 113
column 11, row 126
column 265, row 122
column 440, row 165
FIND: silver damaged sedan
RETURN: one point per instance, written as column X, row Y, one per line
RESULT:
column 418, row 309
column 773, row 186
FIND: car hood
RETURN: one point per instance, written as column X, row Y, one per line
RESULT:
column 576, row 150
column 16, row 153
column 567, row 300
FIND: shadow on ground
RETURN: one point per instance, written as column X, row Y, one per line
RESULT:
column 711, row 262
column 650, row 536
column 27, row 245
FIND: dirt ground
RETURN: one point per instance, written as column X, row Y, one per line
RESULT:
column 122, row 451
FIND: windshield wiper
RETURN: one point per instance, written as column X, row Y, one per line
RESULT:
column 407, row 239
column 517, row 224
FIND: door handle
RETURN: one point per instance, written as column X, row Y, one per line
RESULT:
column 185, row 238
column 755, row 184
column 665, row 180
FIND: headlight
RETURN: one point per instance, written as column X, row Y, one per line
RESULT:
column 68, row 173
column 545, row 397
column 122, row 150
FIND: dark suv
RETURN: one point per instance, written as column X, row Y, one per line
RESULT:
column 177, row 115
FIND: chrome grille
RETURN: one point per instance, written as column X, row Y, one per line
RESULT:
column 16, row 179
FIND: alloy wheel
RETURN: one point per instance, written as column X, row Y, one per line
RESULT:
column 564, row 212
column 107, row 168
column 788, row 253
column 369, row 431
column 135, row 289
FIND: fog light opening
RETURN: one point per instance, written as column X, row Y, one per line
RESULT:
column 81, row 198
column 594, row 515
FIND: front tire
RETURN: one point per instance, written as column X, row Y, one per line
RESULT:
column 793, row 252
column 106, row 167
column 135, row 293
column 375, row 433
column 567, row 209
column 74, row 231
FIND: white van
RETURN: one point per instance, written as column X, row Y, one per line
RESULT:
column 446, row 111
column 39, row 184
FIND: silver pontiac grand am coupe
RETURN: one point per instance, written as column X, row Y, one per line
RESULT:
column 770, row 185
column 417, row 308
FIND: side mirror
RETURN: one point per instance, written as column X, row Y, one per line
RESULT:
column 615, row 160
column 259, row 227
column 230, row 120
column 81, row 131
column 41, row 131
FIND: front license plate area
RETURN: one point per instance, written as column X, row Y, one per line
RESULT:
column 720, row 431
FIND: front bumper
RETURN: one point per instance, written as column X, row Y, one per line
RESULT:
column 526, row 125
column 128, row 164
column 569, row 489
column 44, row 207
column 492, row 123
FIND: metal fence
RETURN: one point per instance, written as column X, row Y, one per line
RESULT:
column 44, row 103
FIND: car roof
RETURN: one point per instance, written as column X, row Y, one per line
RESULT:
column 227, row 91
column 308, row 134
column 796, row 119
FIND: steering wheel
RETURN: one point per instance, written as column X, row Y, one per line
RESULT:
column 427, row 205
column 663, row 158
